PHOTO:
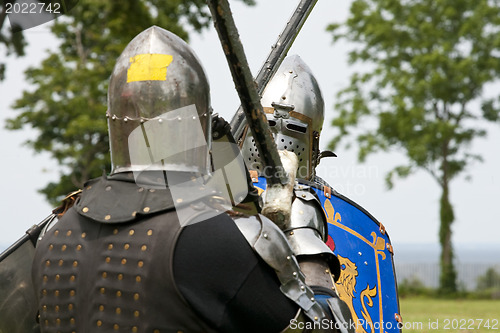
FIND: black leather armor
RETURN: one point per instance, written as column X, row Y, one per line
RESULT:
column 92, row 275
column 119, row 260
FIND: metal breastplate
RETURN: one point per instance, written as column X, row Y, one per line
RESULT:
column 114, row 277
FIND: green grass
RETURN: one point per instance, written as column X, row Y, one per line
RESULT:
column 451, row 316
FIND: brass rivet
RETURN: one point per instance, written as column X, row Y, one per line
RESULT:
column 136, row 313
column 44, row 292
column 327, row 271
column 45, row 278
column 102, row 290
column 108, row 259
column 120, row 276
column 124, row 261
column 58, row 277
column 101, row 307
column 56, row 293
column 144, row 248
column 75, row 263
column 118, row 310
column 136, row 297
column 146, row 209
column 58, row 321
column 72, row 293
column 151, row 190
column 72, row 321
column 134, row 213
column 78, row 247
column 119, row 293
column 70, row 307
column 107, row 217
column 131, row 232
column 126, row 246
column 134, row 329
column 89, row 187
column 138, row 278
column 291, row 232
column 116, row 327
column 315, row 318
column 44, row 308
column 110, row 246
column 47, row 263
column 179, row 200
column 51, row 247
column 99, row 323
column 303, row 195
column 63, row 248
column 56, row 232
column 84, row 235
column 68, row 233
column 140, row 263
column 56, row 308
column 104, row 275
column 115, row 231
column 140, row 189
column 156, row 331
column 150, row 232
column 85, row 209
column 61, row 262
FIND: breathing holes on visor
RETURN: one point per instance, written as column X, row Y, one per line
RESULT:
column 272, row 123
column 296, row 128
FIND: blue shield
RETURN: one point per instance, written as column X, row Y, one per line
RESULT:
column 367, row 281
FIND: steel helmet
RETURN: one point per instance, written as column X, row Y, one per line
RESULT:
column 159, row 106
column 294, row 108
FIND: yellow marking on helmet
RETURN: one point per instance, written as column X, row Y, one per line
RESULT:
column 148, row 67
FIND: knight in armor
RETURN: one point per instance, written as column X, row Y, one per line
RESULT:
column 294, row 107
column 150, row 248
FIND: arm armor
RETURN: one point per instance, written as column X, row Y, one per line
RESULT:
column 271, row 245
column 307, row 232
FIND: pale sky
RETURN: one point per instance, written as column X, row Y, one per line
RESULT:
column 409, row 212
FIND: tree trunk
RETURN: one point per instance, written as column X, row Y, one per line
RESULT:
column 447, row 281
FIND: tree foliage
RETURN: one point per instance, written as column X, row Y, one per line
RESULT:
column 490, row 280
column 427, row 63
column 11, row 42
column 68, row 105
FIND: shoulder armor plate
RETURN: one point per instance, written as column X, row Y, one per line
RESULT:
column 115, row 201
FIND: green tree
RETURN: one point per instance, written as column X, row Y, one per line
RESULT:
column 68, row 104
column 426, row 64
column 12, row 43
column 490, row 280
